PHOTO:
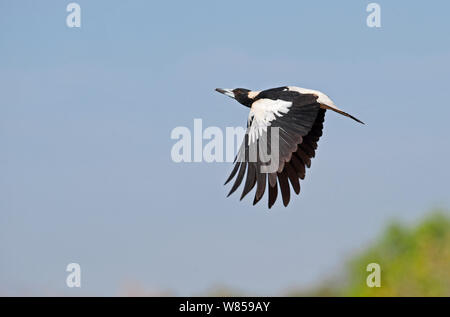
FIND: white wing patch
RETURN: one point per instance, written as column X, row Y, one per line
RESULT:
column 262, row 113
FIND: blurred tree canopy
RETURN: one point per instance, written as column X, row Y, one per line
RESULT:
column 415, row 261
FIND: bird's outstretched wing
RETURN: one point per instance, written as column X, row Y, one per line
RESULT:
column 299, row 122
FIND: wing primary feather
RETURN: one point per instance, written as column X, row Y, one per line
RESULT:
column 284, row 186
column 239, row 178
column 260, row 187
column 233, row 172
column 251, row 179
column 272, row 179
column 305, row 159
column 273, row 192
column 299, row 166
column 293, row 178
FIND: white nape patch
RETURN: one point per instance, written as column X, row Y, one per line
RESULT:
column 263, row 112
column 253, row 94
column 322, row 98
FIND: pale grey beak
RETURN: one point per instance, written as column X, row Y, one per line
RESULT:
column 228, row 92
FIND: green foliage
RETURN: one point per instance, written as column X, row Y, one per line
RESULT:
column 414, row 261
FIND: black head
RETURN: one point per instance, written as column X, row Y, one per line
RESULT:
column 240, row 94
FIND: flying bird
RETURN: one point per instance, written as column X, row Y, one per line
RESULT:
column 298, row 113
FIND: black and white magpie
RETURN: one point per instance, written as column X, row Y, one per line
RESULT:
column 298, row 113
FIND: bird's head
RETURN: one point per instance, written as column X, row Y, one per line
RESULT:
column 242, row 95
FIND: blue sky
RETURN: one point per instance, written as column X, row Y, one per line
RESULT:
column 85, row 122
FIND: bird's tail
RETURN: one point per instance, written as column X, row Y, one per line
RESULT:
column 342, row 113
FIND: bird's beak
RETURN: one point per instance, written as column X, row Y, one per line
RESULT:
column 227, row 92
